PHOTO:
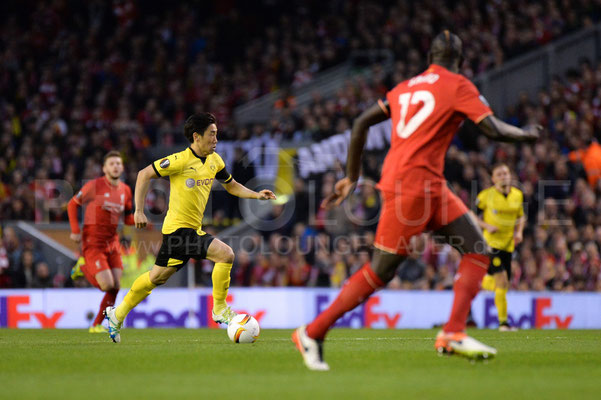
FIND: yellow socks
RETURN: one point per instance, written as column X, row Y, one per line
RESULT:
column 501, row 304
column 221, row 283
column 138, row 292
column 488, row 282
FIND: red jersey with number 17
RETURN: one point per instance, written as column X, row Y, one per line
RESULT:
column 105, row 203
column 426, row 111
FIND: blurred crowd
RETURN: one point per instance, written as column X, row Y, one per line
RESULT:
column 560, row 176
column 80, row 78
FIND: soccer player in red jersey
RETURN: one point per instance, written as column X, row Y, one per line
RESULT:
column 426, row 111
column 106, row 199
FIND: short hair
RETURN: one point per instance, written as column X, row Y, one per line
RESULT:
column 198, row 123
column 499, row 165
column 446, row 47
column 110, row 154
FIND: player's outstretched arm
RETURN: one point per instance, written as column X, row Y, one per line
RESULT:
column 498, row 130
column 375, row 114
column 142, row 185
column 72, row 208
column 236, row 189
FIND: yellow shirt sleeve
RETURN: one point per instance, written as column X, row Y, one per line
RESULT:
column 481, row 200
column 521, row 210
column 222, row 174
column 172, row 164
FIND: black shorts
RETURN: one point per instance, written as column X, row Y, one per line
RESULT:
column 182, row 245
column 500, row 261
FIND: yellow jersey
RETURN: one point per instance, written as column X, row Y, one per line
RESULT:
column 191, row 178
column 501, row 211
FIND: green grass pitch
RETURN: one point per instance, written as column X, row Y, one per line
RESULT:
column 366, row 364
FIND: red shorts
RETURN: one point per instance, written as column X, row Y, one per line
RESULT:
column 404, row 216
column 97, row 260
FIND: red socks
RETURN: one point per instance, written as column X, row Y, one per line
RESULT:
column 107, row 300
column 358, row 288
column 472, row 269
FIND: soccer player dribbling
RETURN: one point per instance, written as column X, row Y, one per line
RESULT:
column 105, row 199
column 191, row 173
column 426, row 112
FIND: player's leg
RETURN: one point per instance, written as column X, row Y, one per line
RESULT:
column 361, row 285
column 396, row 227
column 464, row 235
column 112, row 285
column 171, row 257
column 358, row 288
column 142, row 287
column 223, row 257
column 502, row 277
column 106, row 283
column 97, row 271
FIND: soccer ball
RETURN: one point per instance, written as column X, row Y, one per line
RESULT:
column 243, row 328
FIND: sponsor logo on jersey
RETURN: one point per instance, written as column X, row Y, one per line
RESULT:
column 113, row 207
column 164, row 163
column 199, row 182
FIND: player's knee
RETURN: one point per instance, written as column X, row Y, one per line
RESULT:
column 228, row 256
column 385, row 273
column 158, row 280
column 106, row 286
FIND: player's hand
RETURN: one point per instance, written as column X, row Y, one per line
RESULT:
column 76, row 237
column 518, row 238
column 266, row 195
column 140, row 219
column 532, row 133
column 342, row 189
column 491, row 228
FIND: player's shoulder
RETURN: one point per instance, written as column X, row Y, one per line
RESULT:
column 485, row 192
column 516, row 192
column 216, row 157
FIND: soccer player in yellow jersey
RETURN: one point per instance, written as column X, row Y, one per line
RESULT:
column 503, row 223
column 191, row 173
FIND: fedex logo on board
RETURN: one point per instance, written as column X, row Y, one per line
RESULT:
column 12, row 313
column 538, row 317
column 364, row 315
column 158, row 317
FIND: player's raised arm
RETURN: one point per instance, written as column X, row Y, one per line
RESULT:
column 142, row 185
column 375, row 114
column 498, row 130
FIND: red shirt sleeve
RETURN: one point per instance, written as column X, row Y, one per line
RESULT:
column 469, row 102
column 72, row 212
column 86, row 194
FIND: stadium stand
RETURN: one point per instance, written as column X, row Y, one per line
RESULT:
column 115, row 75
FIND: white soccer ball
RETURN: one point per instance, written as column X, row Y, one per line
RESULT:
column 243, row 328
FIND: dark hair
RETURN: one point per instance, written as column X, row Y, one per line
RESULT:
column 198, row 123
column 499, row 165
column 446, row 48
column 112, row 153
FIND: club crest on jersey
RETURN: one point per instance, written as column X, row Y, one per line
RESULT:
column 164, row 163
column 190, row 182
column 212, row 167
